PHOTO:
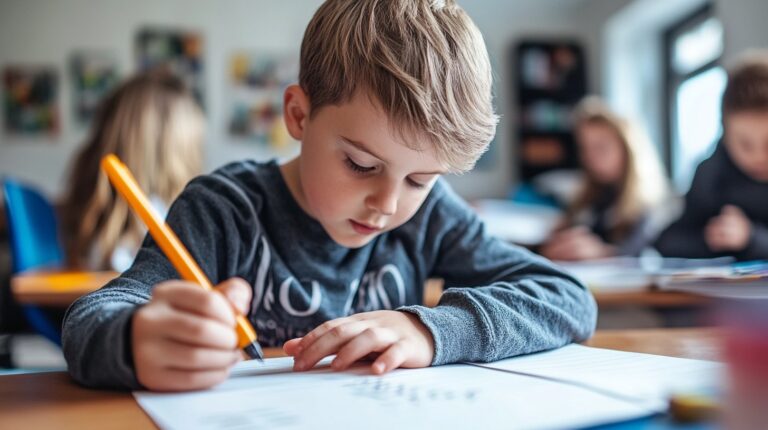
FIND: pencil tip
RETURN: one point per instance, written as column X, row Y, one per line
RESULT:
column 254, row 351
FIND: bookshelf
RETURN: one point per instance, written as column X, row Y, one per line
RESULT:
column 550, row 81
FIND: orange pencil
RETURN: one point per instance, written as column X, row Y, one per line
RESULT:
column 169, row 243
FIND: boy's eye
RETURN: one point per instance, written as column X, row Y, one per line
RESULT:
column 356, row 167
column 415, row 184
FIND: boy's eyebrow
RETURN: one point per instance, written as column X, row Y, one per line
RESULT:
column 361, row 147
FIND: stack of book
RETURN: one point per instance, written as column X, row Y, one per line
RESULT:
column 739, row 280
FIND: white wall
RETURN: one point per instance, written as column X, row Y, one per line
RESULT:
column 745, row 25
column 631, row 52
column 48, row 31
column 634, row 67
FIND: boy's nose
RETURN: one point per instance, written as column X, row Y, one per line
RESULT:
column 384, row 200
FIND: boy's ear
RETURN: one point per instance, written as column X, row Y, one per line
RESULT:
column 295, row 111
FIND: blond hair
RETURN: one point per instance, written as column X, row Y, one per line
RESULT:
column 153, row 123
column 424, row 61
column 643, row 186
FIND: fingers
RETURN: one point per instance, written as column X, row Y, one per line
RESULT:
column 327, row 343
column 238, row 292
column 173, row 350
column 192, row 330
column 394, row 357
column 183, row 380
column 188, row 297
column 319, row 331
column 727, row 233
column 184, row 339
column 368, row 341
column 563, row 249
column 184, row 357
column 291, row 347
column 575, row 231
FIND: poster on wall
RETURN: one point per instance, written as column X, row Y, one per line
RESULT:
column 178, row 51
column 94, row 75
column 257, row 83
column 31, row 100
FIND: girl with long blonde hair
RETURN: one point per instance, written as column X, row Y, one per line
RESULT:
column 614, row 212
column 153, row 123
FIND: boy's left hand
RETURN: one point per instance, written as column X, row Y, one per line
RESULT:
column 399, row 339
column 729, row 231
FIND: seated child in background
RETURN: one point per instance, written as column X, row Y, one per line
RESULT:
column 726, row 208
column 153, row 123
column 328, row 253
column 616, row 212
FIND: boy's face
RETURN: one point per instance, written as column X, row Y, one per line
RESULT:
column 355, row 175
column 746, row 139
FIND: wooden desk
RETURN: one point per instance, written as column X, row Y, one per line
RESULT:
column 647, row 297
column 650, row 298
column 62, row 288
column 52, row 400
column 56, row 288
column 696, row 343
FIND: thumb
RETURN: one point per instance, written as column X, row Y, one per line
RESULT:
column 237, row 292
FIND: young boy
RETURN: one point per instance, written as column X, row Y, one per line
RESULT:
column 328, row 253
column 726, row 212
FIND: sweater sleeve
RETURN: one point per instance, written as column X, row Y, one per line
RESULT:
column 757, row 249
column 500, row 300
column 209, row 217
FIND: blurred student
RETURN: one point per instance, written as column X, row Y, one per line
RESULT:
column 726, row 208
column 153, row 123
column 622, row 186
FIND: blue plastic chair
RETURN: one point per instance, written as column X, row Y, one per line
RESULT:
column 34, row 244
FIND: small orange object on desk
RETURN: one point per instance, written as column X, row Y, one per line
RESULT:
column 56, row 288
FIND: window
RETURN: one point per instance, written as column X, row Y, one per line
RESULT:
column 695, row 83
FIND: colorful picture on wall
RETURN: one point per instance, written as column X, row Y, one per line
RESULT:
column 31, row 98
column 94, row 75
column 179, row 51
column 257, row 83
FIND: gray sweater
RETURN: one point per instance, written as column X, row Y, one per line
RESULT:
column 242, row 221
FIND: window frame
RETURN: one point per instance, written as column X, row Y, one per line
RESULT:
column 673, row 79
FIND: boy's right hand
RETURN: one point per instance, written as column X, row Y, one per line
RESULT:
column 184, row 338
column 728, row 232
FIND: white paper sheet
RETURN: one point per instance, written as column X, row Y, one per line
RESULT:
column 628, row 374
column 459, row 396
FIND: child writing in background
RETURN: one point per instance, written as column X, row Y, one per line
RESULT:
column 153, row 123
column 618, row 208
column 726, row 208
column 328, row 253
